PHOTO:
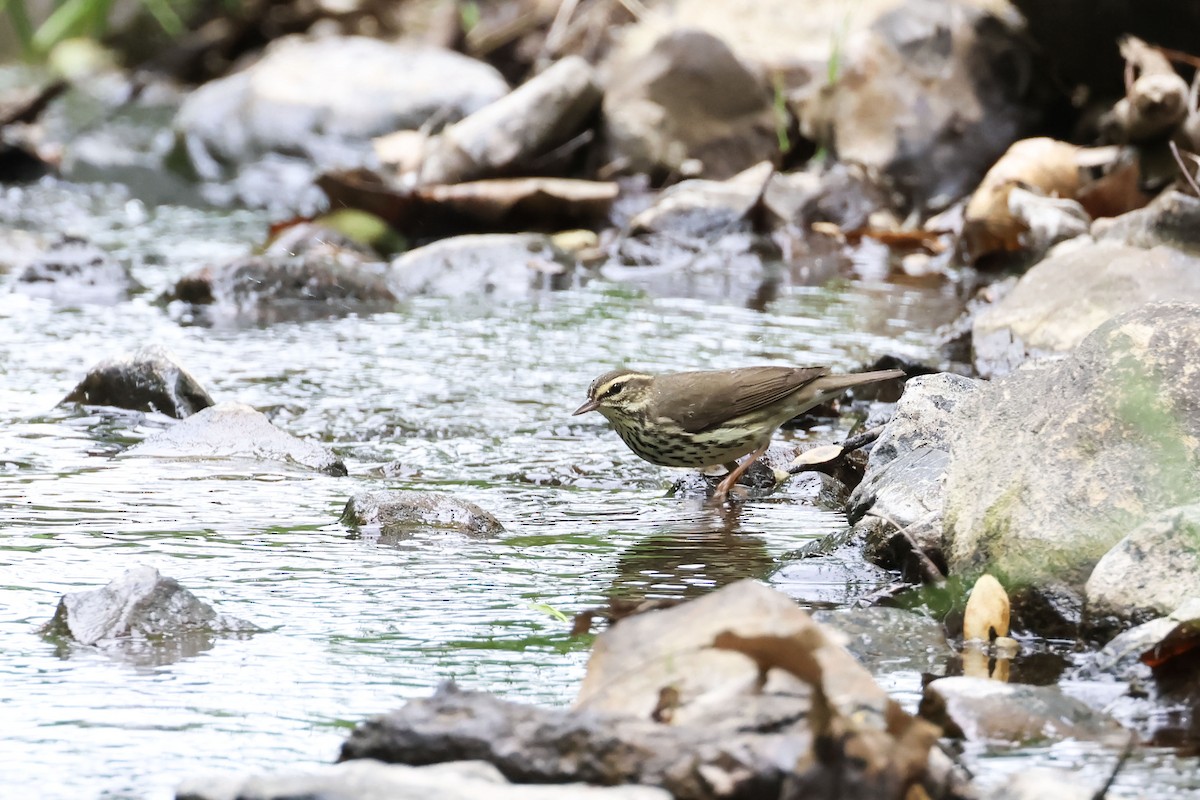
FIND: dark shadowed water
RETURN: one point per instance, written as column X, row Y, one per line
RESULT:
column 470, row 399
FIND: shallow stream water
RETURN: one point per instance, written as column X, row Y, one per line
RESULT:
column 469, row 398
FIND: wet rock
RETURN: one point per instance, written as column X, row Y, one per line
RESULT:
column 398, row 514
column 316, row 103
column 312, row 284
column 235, row 430
column 966, row 66
column 543, row 745
column 1054, row 464
column 1172, row 218
column 887, row 639
column 510, row 133
column 903, row 487
column 502, row 266
column 149, row 379
column 981, row 709
column 685, row 104
column 140, row 604
column 73, row 270
column 370, row 780
column 1150, row 572
column 1067, row 295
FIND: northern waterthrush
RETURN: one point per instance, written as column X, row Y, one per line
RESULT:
column 702, row 419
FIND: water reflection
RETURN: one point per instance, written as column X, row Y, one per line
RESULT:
column 686, row 560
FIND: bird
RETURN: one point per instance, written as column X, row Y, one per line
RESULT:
column 706, row 418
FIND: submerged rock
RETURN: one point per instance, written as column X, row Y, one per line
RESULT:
column 886, row 640
column 370, row 780
column 982, row 709
column 1150, row 572
column 685, row 104
column 398, row 514
column 73, row 270
column 149, row 379
column 235, row 430
column 503, row 266
column 1052, row 465
column 140, row 604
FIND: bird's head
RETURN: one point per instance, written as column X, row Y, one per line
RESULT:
column 618, row 395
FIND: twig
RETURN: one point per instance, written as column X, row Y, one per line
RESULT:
column 929, row 570
column 1102, row 792
column 1183, row 167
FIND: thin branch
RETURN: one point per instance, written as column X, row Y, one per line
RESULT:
column 1183, row 168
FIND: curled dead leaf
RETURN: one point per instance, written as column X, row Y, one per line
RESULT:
column 987, row 614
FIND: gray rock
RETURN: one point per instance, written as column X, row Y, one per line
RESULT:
column 705, row 209
column 923, row 417
column 1150, row 572
column 397, row 514
column 904, row 484
column 831, row 574
column 1172, row 218
column 367, row 779
column 149, row 379
column 535, row 118
column 235, row 430
column 687, row 98
column 275, row 288
column 1052, row 465
column 140, row 604
column 502, row 266
column 325, row 98
column 986, row 710
column 963, row 65
column 73, row 270
column 1067, row 295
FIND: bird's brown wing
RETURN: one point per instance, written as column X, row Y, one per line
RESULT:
column 703, row 400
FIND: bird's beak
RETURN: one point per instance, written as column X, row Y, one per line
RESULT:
column 590, row 405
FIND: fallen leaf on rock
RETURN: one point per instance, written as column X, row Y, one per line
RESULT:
column 1179, row 640
column 865, row 745
column 987, row 613
column 498, row 205
column 1044, row 165
column 1116, row 192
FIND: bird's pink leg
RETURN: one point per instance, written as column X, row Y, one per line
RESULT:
column 727, row 483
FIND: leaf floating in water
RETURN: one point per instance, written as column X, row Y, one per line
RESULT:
column 987, row 614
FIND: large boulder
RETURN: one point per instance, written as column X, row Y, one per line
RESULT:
column 930, row 95
column 1150, row 572
column 1052, row 465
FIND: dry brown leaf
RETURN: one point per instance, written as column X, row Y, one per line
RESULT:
column 987, row 613
column 1043, row 165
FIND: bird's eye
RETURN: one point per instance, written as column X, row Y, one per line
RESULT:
column 615, row 389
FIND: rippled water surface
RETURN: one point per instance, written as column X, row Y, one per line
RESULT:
column 470, row 399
